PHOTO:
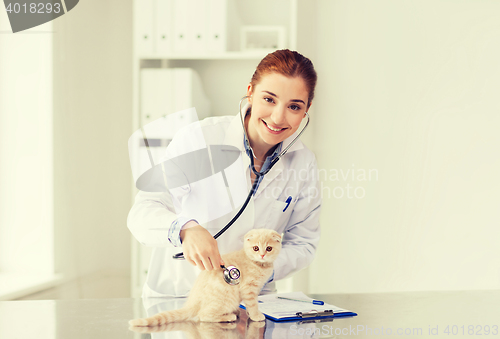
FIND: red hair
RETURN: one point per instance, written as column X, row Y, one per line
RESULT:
column 290, row 64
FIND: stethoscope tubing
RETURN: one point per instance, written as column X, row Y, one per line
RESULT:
column 180, row 256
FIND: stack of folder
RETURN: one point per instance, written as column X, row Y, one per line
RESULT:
column 180, row 26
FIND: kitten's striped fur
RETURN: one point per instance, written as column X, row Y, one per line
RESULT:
column 212, row 300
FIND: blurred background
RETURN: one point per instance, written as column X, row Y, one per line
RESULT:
column 404, row 126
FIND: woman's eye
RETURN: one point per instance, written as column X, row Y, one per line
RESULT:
column 269, row 100
column 256, row 248
column 295, row 108
column 269, row 248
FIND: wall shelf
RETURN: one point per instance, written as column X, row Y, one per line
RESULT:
column 230, row 55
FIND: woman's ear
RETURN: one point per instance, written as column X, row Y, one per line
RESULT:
column 249, row 93
column 308, row 108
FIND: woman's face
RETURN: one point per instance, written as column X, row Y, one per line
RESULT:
column 278, row 104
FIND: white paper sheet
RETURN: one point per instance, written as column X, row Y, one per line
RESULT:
column 281, row 308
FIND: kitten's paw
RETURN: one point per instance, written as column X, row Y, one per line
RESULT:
column 257, row 316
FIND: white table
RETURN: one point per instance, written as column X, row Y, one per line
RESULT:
column 415, row 315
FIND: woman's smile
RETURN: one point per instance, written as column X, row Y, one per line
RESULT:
column 273, row 129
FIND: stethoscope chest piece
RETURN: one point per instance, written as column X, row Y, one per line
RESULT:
column 231, row 275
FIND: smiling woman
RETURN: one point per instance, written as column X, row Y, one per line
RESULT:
column 279, row 95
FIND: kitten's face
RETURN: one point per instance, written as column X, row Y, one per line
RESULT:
column 262, row 245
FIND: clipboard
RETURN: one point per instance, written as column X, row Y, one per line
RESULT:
column 279, row 310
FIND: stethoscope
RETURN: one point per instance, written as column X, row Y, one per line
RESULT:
column 231, row 273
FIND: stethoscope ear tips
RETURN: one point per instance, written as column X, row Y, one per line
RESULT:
column 231, row 275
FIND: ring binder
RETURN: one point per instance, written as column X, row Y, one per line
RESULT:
column 314, row 313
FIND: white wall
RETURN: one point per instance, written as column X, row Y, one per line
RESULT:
column 26, row 186
column 410, row 89
column 92, row 124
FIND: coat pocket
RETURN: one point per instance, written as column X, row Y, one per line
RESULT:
column 280, row 215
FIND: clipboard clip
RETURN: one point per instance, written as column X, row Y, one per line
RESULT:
column 314, row 313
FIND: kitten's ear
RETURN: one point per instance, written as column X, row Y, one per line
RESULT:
column 249, row 235
column 276, row 237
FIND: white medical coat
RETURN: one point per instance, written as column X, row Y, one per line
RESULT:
column 295, row 176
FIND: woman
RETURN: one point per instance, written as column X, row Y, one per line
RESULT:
column 287, row 199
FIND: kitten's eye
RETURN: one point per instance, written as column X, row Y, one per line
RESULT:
column 269, row 248
column 256, row 248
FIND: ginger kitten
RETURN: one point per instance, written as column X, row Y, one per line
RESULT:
column 213, row 300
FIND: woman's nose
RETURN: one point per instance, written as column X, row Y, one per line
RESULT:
column 278, row 115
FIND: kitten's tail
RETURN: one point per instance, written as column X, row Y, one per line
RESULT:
column 166, row 317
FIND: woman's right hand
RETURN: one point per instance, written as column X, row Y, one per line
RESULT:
column 200, row 248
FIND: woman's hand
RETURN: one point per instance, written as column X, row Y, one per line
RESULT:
column 200, row 248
